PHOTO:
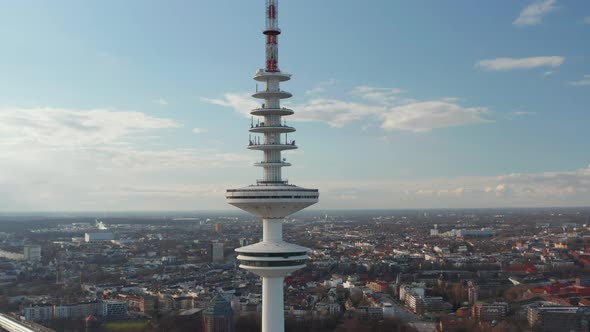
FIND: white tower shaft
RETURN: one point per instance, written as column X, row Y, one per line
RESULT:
column 273, row 319
column 272, row 198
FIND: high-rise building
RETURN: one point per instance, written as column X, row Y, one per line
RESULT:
column 218, row 228
column 32, row 252
column 219, row 316
column 216, row 252
column 272, row 198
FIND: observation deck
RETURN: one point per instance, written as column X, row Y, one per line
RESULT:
column 263, row 76
column 271, row 111
column 269, row 94
column 272, row 258
column 272, row 199
column 270, row 163
column 272, row 146
column 263, row 128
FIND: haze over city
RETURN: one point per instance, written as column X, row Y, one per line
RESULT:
column 143, row 105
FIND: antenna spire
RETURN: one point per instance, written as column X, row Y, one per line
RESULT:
column 272, row 32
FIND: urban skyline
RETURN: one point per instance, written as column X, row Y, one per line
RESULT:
column 474, row 105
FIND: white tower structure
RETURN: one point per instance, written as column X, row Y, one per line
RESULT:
column 272, row 198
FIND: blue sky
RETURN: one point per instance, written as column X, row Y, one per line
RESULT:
column 143, row 105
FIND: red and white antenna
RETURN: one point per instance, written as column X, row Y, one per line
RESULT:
column 272, row 31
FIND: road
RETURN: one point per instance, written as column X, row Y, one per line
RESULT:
column 407, row 316
column 400, row 311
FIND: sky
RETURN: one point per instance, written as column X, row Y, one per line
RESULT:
column 143, row 105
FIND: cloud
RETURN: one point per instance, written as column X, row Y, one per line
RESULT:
column 54, row 159
column 583, row 82
column 534, row 13
column 199, row 130
column 376, row 104
column 321, row 87
column 424, row 116
column 502, row 190
column 550, row 73
column 109, row 57
column 63, row 127
column 162, row 102
column 565, row 188
column 523, row 113
column 104, row 160
column 75, row 179
column 518, row 113
column 242, row 103
column 587, row 19
column 505, row 64
column 378, row 95
column 334, row 112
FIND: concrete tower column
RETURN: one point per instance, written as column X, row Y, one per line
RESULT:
column 273, row 319
column 272, row 229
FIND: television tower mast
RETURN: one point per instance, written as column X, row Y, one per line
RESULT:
column 272, row 198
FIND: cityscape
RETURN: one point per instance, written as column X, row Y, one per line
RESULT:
column 431, row 270
column 448, row 142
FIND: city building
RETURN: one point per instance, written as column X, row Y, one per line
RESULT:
column 109, row 309
column 32, row 252
column 484, row 232
column 165, row 302
column 488, row 312
column 407, row 289
column 272, row 198
column 243, row 242
column 169, row 259
column 98, row 236
column 370, row 313
column 378, row 286
column 559, row 318
column 38, row 312
column 62, row 312
column 218, row 317
column 114, row 309
column 84, row 309
column 140, row 303
column 556, row 318
column 426, row 304
column 216, row 252
column 434, row 231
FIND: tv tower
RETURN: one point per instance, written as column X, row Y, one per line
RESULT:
column 272, row 198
